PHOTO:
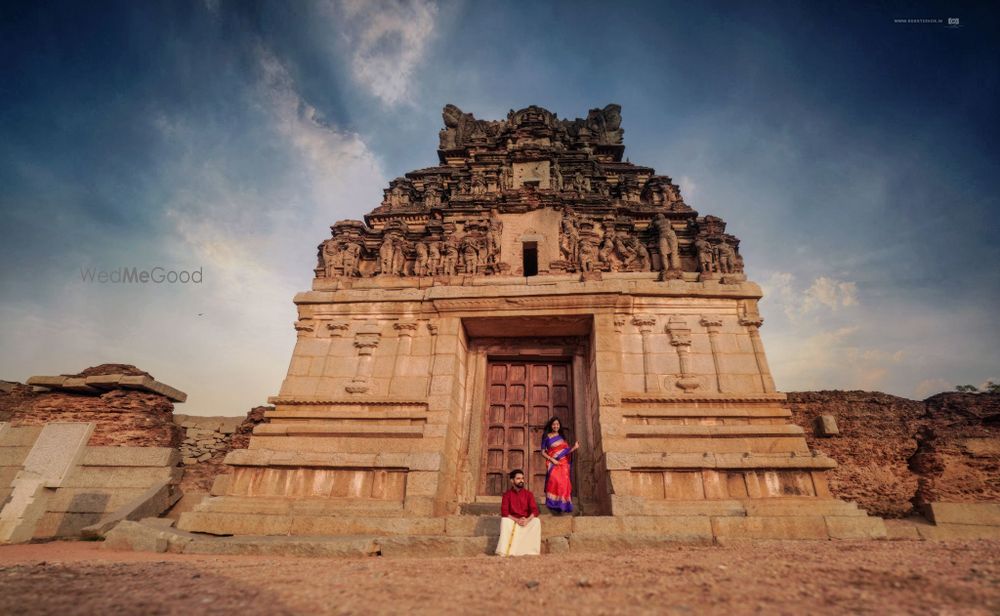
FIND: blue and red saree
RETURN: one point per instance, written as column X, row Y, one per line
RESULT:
column 558, row 488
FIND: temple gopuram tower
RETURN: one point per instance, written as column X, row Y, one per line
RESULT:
column 531, row 273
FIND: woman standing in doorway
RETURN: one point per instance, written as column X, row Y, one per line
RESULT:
column 556, row 451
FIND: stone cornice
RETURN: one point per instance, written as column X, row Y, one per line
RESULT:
column 536, row 291
column 644, row 398
column 352, row 401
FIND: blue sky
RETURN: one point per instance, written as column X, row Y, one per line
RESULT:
column 856, row 158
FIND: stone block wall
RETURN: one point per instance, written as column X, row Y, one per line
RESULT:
column 205, row 443
column 105, row 479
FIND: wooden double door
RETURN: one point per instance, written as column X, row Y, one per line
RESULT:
column 521, row 398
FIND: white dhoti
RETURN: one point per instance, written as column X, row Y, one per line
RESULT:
column 516, row 540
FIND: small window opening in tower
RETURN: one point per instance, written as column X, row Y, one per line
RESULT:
column 530, row 259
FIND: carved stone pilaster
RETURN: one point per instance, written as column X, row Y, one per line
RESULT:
column 713, row 324
column 366, row 341
column 619, row 324
column 751, row 319
column 338, row 329
column 645, row 324
column 433, row 328
column 304, row 327
column 680, row 339
column 405, row 328
column 405, row 331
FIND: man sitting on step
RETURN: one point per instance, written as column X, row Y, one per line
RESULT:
column 520, row 528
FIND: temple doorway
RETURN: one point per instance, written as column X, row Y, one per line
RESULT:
column 522, row 394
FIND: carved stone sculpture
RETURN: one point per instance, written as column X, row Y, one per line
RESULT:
column 421, row 263
column 569, row 239
column 470, row 256
column 351, row 258
column 399, row 256
column 385, row 255
column 726, row 256
column 506, row 178
column 589, row 261
column 706, row 257
column 606, row 254
column 434, row 258
column 450, row 259
column 432, row 197
column 494, row 229
column 642, row 261
column 478, row 185
column 667, row 244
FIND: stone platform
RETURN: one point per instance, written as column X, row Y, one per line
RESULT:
column 691, row 522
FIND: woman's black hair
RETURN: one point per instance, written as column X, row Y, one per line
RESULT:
column 548, row 427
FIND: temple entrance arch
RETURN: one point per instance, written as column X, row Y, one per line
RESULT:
column 536, row 368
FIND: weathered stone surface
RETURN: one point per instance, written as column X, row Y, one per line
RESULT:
column 122, row 477
column 91, row 500
column 13, row 456
column 949, row 532
column 894, row 452
column 826, row 425
column 20, row 436
column 982, row 514
column 63, row 524
column 130, row 456
column 786, row 527
column 58, row 448
column 234, row 524
column 136, row 536
column 855, row 527
column 950, row 470
column 151, row 503
column 122, row 417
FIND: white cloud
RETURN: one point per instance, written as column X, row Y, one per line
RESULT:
column 688, row 186
column 823, row 296
column 387, row 42
column 830, row 293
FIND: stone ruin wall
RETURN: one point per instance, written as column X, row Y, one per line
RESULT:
column 894, row 454
column 207, row 440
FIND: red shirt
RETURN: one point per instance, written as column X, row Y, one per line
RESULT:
column 518, row 504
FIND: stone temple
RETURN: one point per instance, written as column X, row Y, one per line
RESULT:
column 533, row 272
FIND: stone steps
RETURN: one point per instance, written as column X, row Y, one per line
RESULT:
column 477, row 535
column 285, row 506
column 821, row 522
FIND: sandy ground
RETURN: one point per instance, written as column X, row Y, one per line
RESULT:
column 906, row 577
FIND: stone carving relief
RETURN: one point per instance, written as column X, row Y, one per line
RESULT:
column 717, row 252
column 444, row 221
column 666, row 242
column 601, row 126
